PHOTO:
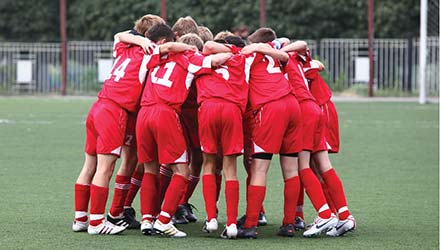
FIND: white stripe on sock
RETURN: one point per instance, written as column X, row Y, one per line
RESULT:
column 79, row 214
column 122, row 186
column 136, row 182
column 343, row 209
column 323, row 208
column 165, row 214
column 96, row 217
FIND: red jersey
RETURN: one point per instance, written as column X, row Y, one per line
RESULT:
column 297, row 79
column 266, row 80
column 227, row 82
column 171, row 77
column 127, row 77
column 318, row 87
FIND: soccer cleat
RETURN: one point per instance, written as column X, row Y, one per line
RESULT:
column 118, row 221
column 247, row 233
column 299, row 224
column 179, row 216
column 262, row 220
column 210, row 226
column 230, row 232
column 130, row 216
column 320, row 225
column 147, row 227
column 343, row 226
column 79, row 226
column 105, row 228
column 190, row 216
column 167, row 230
column 286, row 230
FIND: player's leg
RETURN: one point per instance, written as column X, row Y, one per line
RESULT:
column 148, row 196
column 346, row 220
column 289, row 166
column 232, row 195
column 135, row 184
column 209, row 188
column 82, row 193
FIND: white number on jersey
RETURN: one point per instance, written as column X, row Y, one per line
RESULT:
column 165, row 80
column 119, row 72
column 223, row 71
column 271, row 68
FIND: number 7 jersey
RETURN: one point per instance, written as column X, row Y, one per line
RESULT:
column 127, row 77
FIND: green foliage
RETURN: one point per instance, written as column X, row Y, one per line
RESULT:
column 38, row 20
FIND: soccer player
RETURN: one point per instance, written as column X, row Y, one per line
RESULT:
column 276, row 129
column 222, row 96
column 105, row 132
column 159, row 132
column 127, row 183
column 205, row 33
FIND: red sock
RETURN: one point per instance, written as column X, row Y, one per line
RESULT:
column 122, row 184
column 98, row 199
column 135, row 184
column 336, row 191
column 291, row 193
column 254, row 202
column 209, row 188
column 172, row 197
column 148, row 196
column 232, row 195
column 328, row 198
column 192, row 184
column 164, row 181
column 315, row 193
column 300, row 203
column 218, row 182
column 82, row 196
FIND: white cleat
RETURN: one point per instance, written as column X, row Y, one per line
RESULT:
column 79, row 226
column 105, row 227
column 167, row 230
column 147, row 227
column 210, row 226
column 343, row 226
column 321, row 225
column 230, row 232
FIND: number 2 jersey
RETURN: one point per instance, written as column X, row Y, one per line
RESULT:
column 127, row 77
column 171, row 77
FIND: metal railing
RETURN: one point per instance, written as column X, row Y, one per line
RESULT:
column 396, row 65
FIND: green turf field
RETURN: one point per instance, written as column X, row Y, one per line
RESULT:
column 388, row 163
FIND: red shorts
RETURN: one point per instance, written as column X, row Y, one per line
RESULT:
column 277, row 127
column 159, row 135
column 220, row 124
column 130, row 133
column 332, row 130
column 191, row 127
column 105, row 128
column 314, row 127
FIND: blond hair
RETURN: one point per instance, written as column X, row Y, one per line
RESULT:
column 222, row 34
column 143, row 24
column 192, row 39
column 185, row 25
column 205, row 34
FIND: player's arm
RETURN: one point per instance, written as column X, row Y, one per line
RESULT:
column 143, row 42
column 220, row 58
column 212, row 47
column 175, row 47
column 266, row 49
column 317, row 64
column 295, row 46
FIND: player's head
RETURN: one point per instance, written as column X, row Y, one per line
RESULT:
column 161, row 33
column 222, row 34
column 143, row 24
column 235, row 40
column 192, row 39
column 262, row 35
column 205, row 34
column 185, row 25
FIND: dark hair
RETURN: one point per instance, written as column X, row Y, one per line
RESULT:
column 220, row 41
column 159, row 32
column 235, row 40
column 262, row 35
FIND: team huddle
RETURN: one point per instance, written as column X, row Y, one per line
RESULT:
column 179, row 101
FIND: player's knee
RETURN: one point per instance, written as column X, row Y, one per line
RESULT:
column 290, row 155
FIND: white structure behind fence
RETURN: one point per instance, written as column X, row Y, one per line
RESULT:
column 396, row 65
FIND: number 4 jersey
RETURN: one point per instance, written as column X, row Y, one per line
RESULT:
column 125, row 82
